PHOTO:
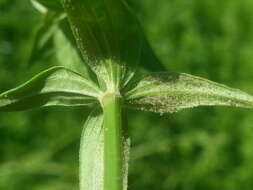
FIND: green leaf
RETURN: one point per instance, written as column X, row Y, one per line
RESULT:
column 66, row 50
column 55, row 86
column 100, row 29
column 43, row 37
column 92, row 154
column 41, row 8
column 108, row 30
column 163, row 92
column 45, row 5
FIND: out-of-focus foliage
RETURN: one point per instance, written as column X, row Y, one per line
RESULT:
column 203, row 148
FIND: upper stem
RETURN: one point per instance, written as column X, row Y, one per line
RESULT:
column 113, row 143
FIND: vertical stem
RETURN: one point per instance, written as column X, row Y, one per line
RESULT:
column 113, row 143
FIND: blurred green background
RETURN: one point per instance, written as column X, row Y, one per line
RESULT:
column 204, row 148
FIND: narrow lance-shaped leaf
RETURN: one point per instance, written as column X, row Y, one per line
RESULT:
column 99, row 27
column 168, row 93
column 42, row 43
column 107, row 30
column 66, row 52
column 55, row 86
column 92, row 154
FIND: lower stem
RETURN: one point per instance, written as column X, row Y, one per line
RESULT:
column 113, row 143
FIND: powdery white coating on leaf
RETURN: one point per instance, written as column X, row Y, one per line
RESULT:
column 92, row 154
column 126, row 161
column 113, row 75
column 66, row 80
column 110, row 49
column 66, row 53
column 169, row 93
column 55, row 86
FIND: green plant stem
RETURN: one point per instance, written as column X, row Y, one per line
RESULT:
column 113, row 143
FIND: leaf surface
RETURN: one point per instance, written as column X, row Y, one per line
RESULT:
column 168, row 93
column 43, row 37
column 108, row 30
column 92, row 154
column 66, row 52
column 55, row 86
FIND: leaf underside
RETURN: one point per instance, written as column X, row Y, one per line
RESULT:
column 107, row 30
column 42, row 43
column 66, row 51
column 100, row 31
column 55, row 86
column 92, row 154
column 168, row 93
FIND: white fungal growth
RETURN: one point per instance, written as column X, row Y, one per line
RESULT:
column 169, row 93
